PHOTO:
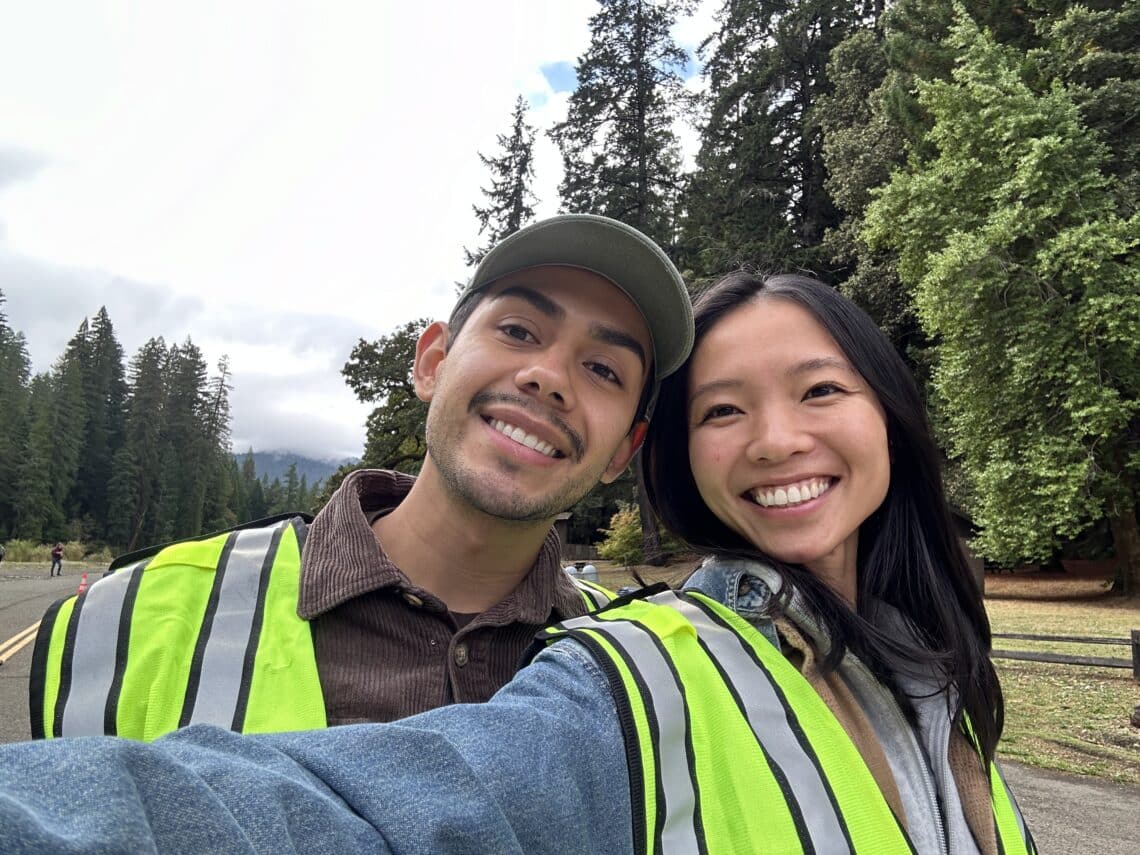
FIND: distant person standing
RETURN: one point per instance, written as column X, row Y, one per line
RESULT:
column 1, row 553
column 56, row 560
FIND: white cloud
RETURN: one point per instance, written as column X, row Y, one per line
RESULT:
column 274, row 179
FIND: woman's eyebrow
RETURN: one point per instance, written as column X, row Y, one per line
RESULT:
column 819, row 364
column 714, row 386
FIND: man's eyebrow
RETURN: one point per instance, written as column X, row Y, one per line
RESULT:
column 616, row 337
column 600, row 332
column 537, row 299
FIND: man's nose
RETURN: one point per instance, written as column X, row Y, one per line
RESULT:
column 547, row 375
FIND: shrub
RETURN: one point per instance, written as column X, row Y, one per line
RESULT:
column 623, row 537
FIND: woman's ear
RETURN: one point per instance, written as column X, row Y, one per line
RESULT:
column 431, row 351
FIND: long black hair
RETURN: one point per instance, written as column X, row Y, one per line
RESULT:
column 909, row 555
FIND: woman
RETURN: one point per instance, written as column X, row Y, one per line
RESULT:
column 786, row 701
column 809, row 457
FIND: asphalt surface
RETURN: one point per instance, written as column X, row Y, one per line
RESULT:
column 1068, row 814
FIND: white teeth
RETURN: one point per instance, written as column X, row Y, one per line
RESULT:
column 523, row 438
column 791, row 494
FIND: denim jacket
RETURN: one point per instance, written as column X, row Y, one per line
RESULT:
column 539, row 768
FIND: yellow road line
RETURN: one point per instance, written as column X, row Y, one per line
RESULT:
column 18, row 642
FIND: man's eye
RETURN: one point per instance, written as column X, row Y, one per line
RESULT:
column 517, row 332
column 605, row 372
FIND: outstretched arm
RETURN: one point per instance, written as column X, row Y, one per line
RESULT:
column 539, row 768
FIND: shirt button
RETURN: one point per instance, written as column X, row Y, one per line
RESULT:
column 461, row 654
column 412, row 600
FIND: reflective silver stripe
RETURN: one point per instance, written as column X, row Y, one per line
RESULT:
column 597, row 597
column 769, row 719
column 93, row 655
column 223, row 659
column 679, row 834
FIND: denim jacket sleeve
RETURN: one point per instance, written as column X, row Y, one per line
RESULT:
column 539, row 768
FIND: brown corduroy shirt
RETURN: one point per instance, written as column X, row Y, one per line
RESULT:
column 387, row 649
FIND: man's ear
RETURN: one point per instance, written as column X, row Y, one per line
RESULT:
column 431, row 350
column 625, row 452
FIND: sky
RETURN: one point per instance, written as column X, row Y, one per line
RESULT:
column 275, row 180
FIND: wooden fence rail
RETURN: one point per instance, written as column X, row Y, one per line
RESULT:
column 1065, row 659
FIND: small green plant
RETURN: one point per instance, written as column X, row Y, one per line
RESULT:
column 623, row 537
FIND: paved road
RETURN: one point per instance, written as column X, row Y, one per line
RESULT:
column 1068, row 814
column 1073, row 815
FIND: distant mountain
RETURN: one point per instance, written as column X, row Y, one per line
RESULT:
column 276, row 463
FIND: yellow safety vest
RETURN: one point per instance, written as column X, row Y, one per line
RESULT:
column 201, row 631
column 730, row 749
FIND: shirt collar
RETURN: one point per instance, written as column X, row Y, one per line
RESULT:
column 342, row 558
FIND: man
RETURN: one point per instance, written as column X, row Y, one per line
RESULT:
column 403, row 594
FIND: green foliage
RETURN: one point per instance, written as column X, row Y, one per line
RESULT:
column 757, row 197
column 510, row 202
column 623, row 537
column 1026, row 276
column 619, row 151
column 380, row 373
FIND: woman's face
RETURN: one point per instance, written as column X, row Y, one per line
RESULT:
column 787, row 441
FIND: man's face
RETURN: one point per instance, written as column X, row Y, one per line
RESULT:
column 532, row 404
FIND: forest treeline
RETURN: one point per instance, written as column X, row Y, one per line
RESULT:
column 967, row 172
column 126, row 455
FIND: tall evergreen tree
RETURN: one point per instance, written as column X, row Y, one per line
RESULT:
column 619, row 150
column 105, row 393
column 179, row 506
column 620, row 154
column 758, row 195
column 134, row 480
column 509, row 200
column 37, row 515
column 15, row 373
column 69, row 414
column 1025, row 273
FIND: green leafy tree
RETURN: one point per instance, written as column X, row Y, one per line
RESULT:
column 1026, row 276
column 380, row 373
column 509, row 200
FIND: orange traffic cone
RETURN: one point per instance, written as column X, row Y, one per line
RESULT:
column 82, row 584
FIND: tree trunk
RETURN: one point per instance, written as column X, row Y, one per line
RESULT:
column 650, row 539
column 1126, row 544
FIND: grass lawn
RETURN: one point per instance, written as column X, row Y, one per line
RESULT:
column 1066, row 717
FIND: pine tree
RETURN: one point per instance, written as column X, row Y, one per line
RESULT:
column 136, row 469
column 105, row 393
column 620, row 154
column 510, row 202
column 15, row 374
column 619, row 150
column 69, row 415
column 37, row 516
column 758, row 195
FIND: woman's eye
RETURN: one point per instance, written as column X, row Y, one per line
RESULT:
column 822, row 390
column 719, row 412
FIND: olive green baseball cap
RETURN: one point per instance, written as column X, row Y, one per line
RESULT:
column 620, row 253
